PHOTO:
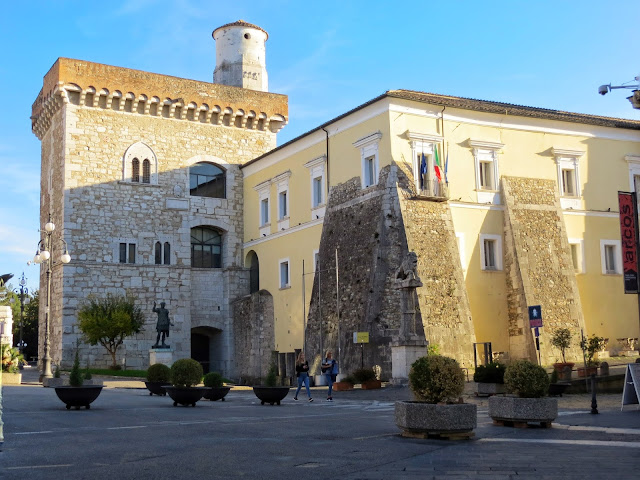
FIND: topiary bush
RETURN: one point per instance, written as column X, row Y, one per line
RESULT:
column 363, row 375
column 490, row 373
column 436, row 379
column 213, row 379
column 526, row 379
column 186, row 372
column 272, row 376
column 159, row 372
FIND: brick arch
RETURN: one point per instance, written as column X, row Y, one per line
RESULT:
column 141, row 151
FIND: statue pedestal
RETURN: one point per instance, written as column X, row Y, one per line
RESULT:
column 403, row 356
column 161, row 355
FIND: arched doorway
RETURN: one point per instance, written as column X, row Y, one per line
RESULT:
column 253, row 264
column 206, row 348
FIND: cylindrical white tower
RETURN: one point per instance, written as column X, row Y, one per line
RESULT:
column 240, row 56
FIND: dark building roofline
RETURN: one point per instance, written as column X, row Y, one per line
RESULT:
column 475, row 105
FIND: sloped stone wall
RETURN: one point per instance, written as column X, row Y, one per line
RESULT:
column 254, row 336
column 539, row 268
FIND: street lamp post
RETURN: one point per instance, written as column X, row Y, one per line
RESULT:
column 43, row 254
column 23, row 294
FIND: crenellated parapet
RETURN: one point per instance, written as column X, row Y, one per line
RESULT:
column 94, row 85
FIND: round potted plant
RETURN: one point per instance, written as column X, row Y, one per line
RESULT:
column 186, row 373
column 11, row 361
column 590, row 346
column 215, row 387
column 269, row 392
column 490, row 379
column 437, row 383
column 561, row 339
column 76, row 394
column 158, row 376
column 529, row 383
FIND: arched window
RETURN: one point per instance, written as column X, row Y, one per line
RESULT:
column 206, row 248
column 254, row 271
column 207, row 180
column 135, row 170
column 146, row 171
column 158, row 253
column 167, row 253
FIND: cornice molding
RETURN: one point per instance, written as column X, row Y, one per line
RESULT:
column 485, row 144
column 369, row 139
column 423, row 137
column 563, row 152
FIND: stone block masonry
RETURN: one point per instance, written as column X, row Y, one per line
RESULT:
column 539, row 267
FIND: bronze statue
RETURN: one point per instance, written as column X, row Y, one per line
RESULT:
column 163, row 324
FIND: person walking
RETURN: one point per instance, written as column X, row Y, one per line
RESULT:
column 302, row 372
column 330, row 371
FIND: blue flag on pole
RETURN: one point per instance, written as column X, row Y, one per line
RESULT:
column 423, row 170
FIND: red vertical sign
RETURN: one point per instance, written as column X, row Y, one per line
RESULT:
column 629, row 240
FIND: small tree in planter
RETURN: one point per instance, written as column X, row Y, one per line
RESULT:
column 269, row 392
column 437, row 383
column 561, row 339
column 76, row 394
column 366, row 377
column 490, row 378
column 590, row 346
column 215, row 387
column 158, row 376
column 530, row 383
column 186, row 373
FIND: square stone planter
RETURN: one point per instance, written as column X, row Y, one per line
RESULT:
column 371, row 385
column 11, row 378
column 342, row 386
column 520, row 411
column 488, row 389
column 427, row 419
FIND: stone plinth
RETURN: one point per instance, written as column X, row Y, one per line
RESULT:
column 516, row 409
column 421, row 417
column 403, row 356
column 161, row 355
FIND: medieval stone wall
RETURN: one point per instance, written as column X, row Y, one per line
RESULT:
column 254, row 336
column 539, row 268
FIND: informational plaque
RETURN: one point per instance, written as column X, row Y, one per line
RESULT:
column 360, row 337
column 631, row 391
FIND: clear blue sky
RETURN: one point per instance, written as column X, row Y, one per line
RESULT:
column 328, row 57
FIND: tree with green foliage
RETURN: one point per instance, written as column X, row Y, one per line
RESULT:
column 109, row 320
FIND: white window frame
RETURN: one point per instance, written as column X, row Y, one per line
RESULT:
column 487, row 152
column 634, row 169
column 579, row 243
column 281, row 283
column 282, row 183
column 369, row 154
column 317, row 170
column 264, row 224
column 497, row 253
column 423, row 143
column 569, row 160
column 616, row 244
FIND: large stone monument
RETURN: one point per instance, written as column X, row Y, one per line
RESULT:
column 409, row 346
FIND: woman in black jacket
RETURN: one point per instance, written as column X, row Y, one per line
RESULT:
column 302, row 372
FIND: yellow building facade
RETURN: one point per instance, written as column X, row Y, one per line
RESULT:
column 484, row 151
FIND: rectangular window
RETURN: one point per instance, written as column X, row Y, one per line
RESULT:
column 575, row 259
column 127, row 253
column 284, row 274
column 568, row 182
column 123, row 253
column 486, row 176
column 611, row 260
column 490, row 255
column 282, row 204
column 370, row 171
column 317, row 191
column 264, row 211
column 132, row 253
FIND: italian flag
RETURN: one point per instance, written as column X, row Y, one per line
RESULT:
column 436, row 163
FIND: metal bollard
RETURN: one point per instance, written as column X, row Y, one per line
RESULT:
column 594, row 402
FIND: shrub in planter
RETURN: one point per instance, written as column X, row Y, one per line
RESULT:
column 213, row 379
column 490, row 373
column 526, row 379
column 436, row 379
column 272, row 377
column 75, row 377
column 561, row 339
column 159, row 372
column 437, row 382
column 363, row 375
column 77, row 395
column 270, row 392
column 186, row 372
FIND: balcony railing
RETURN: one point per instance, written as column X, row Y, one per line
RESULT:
column 434, row 189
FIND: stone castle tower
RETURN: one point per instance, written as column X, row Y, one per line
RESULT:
column 140, row 174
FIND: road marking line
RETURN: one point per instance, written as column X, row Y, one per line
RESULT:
column 377, row 436
column 126, row 428
column 592, row 443
column 33, row 433
column 581, row 428
column 40, row 466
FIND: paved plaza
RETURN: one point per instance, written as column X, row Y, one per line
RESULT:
column 128, row 434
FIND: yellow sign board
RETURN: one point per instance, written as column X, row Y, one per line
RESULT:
column 360, row 337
